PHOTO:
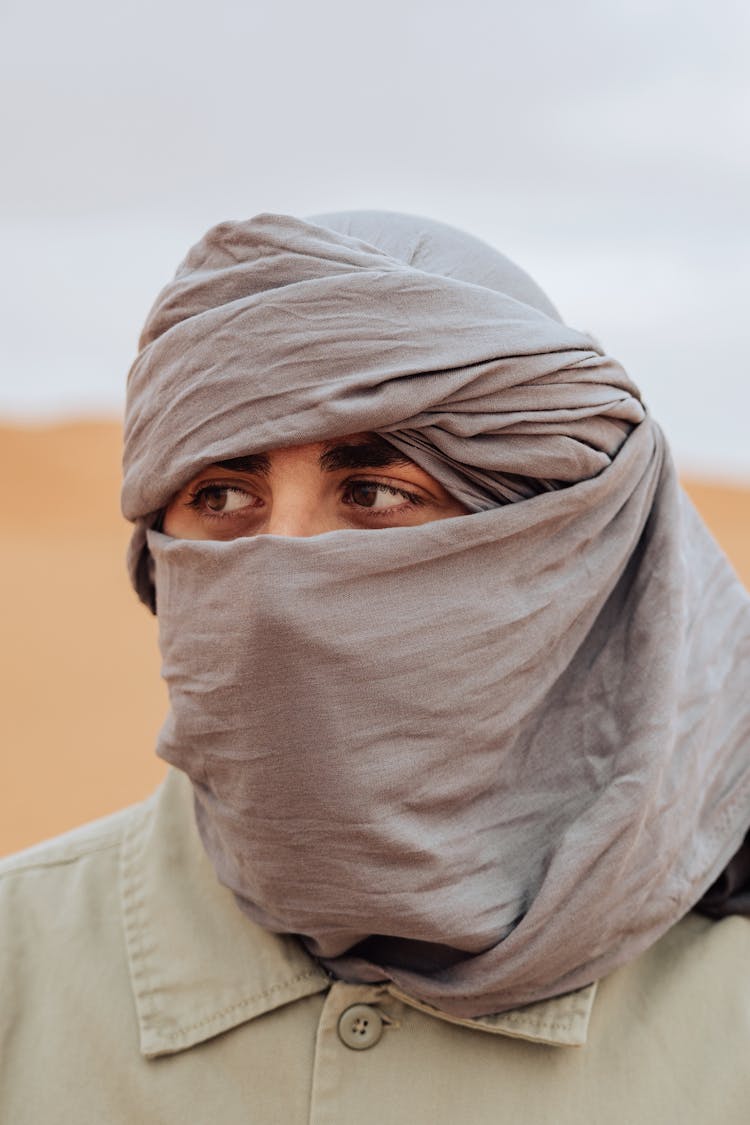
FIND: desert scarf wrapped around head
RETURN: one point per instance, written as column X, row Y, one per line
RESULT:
column 488, row 758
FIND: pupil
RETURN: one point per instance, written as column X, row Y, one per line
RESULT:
column 216, row 499
column 364, row 495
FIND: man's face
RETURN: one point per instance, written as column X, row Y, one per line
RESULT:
column 358, row 481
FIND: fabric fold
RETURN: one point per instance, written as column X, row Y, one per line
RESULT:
column 488, row 758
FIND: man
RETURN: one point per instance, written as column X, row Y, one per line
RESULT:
column 458, row 716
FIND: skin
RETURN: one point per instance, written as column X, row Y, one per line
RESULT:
column 358, row 481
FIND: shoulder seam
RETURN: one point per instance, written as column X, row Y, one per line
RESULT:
column 11, row 866
column 87, row 839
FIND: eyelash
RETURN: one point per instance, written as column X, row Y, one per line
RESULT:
column 411, row 497
column 195, row 498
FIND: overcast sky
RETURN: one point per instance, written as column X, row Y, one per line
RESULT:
column 604, row 146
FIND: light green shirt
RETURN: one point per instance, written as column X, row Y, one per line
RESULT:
column 134, row 990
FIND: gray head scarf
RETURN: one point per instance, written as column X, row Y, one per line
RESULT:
column 488, row 758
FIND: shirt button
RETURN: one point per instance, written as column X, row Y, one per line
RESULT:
column 360, row 1027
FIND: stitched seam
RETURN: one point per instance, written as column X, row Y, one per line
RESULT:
column 541, row 1025
column 540, row 1021
column 241, row 1004
column 22, row 868
column 132, row 911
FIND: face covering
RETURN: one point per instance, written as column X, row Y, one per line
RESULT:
column 488, row 758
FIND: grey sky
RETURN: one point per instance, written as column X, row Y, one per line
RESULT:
column 604, row 146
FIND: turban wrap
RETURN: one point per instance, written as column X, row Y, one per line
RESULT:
column 487, row 759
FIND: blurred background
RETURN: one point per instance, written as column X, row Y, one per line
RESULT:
column 603, row 146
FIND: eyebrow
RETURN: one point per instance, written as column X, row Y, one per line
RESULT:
column 259, row 463
column 374, row 453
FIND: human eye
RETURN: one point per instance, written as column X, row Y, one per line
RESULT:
column 216, row 500
column 379, row 498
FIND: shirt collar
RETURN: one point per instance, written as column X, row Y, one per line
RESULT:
column 199, row 966
column 562, row 1021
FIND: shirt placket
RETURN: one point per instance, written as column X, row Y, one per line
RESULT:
column 355, row 1034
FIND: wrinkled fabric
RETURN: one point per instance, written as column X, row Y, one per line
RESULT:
column 133, row 990
column 488, row 759
column 277, row 332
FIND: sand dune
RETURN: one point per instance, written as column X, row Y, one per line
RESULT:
column 82, row 698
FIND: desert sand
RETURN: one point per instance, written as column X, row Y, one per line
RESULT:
column 82, row 701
